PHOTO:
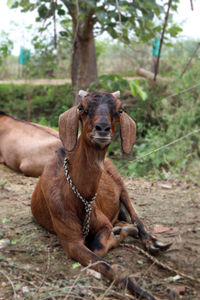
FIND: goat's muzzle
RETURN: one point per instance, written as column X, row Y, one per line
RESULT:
column 101, row 135
column 102, row 139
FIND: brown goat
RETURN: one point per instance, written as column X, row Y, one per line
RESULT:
column 26, row 147
column 80, row 194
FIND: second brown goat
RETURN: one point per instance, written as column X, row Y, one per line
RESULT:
column 80, row 195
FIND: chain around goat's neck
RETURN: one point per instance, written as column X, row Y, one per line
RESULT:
column 87, row 204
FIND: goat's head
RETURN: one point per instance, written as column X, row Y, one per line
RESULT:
column 98, row 114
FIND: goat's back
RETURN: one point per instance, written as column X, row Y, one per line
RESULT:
column 25, row 146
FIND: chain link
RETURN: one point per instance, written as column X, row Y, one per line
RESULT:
column 87, row 204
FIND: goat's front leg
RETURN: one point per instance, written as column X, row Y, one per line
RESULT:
column 79, row 252
column 104, row 239
column 151, row 244
column 74, row 246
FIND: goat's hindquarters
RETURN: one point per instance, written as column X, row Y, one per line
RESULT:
column 40, row 209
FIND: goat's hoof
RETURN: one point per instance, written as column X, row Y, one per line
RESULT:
column 116, row 230
column 162, row 246
column 153, row 250
column 153, row 246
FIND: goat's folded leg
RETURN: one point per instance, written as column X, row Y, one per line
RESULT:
column 151, row 244
column 129, row 214
column 104, row 240
column 124, row 230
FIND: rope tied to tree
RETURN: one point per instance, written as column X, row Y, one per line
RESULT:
column 162, row 147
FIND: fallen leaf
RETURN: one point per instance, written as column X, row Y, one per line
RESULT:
column 93, row 273
column 173, row 231
column 160, row 229
column 165, row 185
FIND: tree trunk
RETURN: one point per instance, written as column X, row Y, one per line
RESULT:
column 84, row 65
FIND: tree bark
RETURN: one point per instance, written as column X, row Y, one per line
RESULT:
column 84, row 64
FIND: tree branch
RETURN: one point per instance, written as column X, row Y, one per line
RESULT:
column 162, row 38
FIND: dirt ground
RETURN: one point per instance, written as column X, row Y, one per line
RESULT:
column 33, row 264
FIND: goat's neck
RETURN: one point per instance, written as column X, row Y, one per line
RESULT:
column 85, row 167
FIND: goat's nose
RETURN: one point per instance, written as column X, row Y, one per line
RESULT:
column 102, row 128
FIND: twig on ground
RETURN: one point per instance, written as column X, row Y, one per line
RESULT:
column 160, row 264
column 17, row 279
column 11, row 283
column 107, row 290
column 23, row 269
column 45, row 274
column 77, row 278
column 13, row 251
column 114, row 293
column 61, row 295
column 147, row 271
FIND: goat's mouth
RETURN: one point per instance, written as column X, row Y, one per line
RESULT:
column 102, row 140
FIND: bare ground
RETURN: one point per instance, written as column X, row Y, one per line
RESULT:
column 33, row 264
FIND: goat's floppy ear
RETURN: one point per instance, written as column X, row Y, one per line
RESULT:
column 68, row 128
column 128, row 132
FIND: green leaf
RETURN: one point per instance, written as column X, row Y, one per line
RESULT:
column 14, row 241
column 174, row 30
column 9, row 3
column 136, row 90
column 5, row 220
column 61, row 12
column 100, row 15
column 18, row 287
column 76, row 265
column 43, row 12
column 64, row 33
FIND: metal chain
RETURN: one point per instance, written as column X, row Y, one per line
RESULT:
column 87, row 204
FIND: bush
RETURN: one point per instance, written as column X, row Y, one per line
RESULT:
column 47, row 101
column 160, row 120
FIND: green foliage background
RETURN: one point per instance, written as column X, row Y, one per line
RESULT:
column 160, row 117
column 47, row 101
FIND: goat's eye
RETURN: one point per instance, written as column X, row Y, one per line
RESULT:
column 82, row 109
column 120, row 111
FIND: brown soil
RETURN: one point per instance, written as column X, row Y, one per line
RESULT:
column 33, row 264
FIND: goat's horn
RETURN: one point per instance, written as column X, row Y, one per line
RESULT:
column 82, row 93
column 116, row 94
